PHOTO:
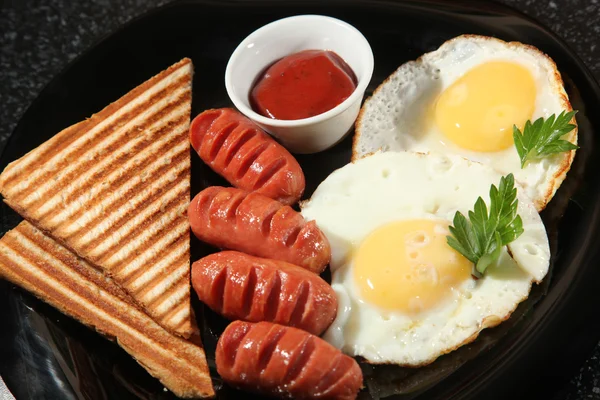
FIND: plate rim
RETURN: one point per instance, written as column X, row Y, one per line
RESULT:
column 499, row 8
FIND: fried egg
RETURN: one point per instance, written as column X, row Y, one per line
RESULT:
column 464, row 98
column 404, row 296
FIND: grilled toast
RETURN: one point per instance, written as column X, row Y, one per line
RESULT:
column 114, row 189
column 45, row 268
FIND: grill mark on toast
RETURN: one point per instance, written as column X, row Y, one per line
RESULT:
column 24, row 243
column 125, row 198
column 63, row 139
column 56, row 143
column 70, row 221
column 140, row 147
column 81, row 133
column 184, row 324
column 184, row 314
column 76, row 156
column 169, row 269
column 172, row 291
column 56, row 250
column 117, row 216
column 67, row 300
column 178, row 291
column 179, row 310
column 136, row 259
column 179, row 250
column 78, row 210
column 140, row 164
column 181, row 307
column 56, row 277
column 27, row 255
column 168, row 293
column 155, row 215
column 98, row 139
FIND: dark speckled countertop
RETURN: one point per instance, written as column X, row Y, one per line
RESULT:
column 38, row 38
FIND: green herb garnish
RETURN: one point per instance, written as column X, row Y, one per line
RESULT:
column 543, row 137
column 481, row 237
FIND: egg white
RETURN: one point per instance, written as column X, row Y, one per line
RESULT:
column 399, row 114
column 395, row 186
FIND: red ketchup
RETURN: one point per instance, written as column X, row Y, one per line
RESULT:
column 302, row 85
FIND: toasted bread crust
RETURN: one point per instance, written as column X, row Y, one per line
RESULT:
column 114, row 189
column 32, row 260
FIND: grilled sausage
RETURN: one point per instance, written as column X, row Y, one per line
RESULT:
column 240, row 286
column 232, row 219
column 285, row 362
column 239, row 150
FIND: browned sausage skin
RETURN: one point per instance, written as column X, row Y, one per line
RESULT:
column 239, row 150
column 240, row 286
column 230, row 218
column 285, row 362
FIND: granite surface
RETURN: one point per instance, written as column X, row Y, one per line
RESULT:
column 38, row 38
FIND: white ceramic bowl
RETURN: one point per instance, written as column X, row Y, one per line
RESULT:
column 291, row 35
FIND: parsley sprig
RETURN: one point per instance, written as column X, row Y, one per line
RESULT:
column 543, row 137
column 481, row 237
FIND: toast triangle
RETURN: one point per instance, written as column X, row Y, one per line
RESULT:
column 39, row 264
column 115, row 188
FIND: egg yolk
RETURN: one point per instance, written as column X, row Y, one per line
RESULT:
column 478, row 111
column 408, row 266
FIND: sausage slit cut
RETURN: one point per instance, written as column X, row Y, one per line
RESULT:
column 342, row 369
column 218, row 142
column 272, row 304
column 268, row 347
column 268, row 173
column 218, row 289
column 235, row 343
column 300, row 360
column 214, row 205
column 201, row 125
column 243, row 138
column 300, row 307
column 232, row 210
column 293, row 236
column 249, row 292
column 266, row 225
column 250, row 158
column 329, row 378
column 203, row 204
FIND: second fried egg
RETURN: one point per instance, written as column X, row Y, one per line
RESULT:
column 405, row 297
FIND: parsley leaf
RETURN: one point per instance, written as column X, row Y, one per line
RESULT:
column 543, row 137
column 481, row 237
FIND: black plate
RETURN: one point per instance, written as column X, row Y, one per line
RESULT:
column 44, row 354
